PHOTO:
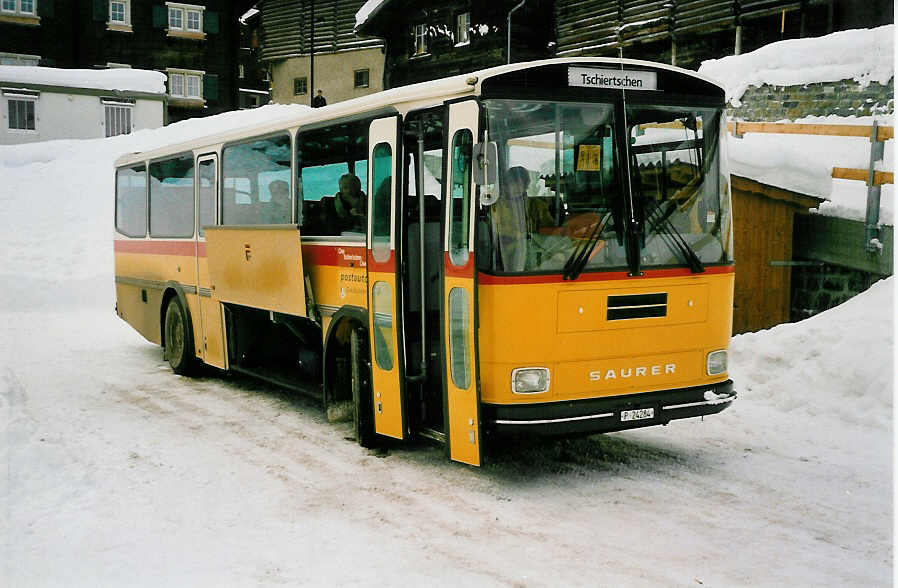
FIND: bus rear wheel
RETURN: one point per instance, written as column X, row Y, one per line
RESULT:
column 360, row 368
column 178, row 339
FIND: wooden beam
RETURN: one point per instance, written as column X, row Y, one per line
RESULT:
column 848, row 173
column 738, row 128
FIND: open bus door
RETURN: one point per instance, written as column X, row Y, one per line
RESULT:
column 384, row 316
column 459, row 288
column 211, row 338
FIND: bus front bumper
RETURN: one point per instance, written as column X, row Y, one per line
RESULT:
column 607, row 414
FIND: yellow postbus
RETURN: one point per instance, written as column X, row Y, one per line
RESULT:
column 540, row 248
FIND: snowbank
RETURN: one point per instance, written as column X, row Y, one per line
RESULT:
column 837, row 364
column 63, row 192
column 129, row 80
column 863, row 55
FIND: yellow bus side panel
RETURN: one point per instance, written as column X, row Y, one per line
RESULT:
column 563, row 326
column 258, row 267
column 151, row 272
column 143, row 316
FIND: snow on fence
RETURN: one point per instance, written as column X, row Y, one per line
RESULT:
column 874, row 178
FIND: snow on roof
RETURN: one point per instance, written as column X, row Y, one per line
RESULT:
column 128, row 80
column 864, row 55
column 368, row 10
column 248, row 15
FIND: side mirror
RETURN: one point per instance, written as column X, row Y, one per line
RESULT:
column 486, row 163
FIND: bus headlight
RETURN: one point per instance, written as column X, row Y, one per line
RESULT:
column 717, row 362
column 529, row 380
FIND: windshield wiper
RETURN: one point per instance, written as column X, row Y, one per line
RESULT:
column 672, row 237
column 573, row 267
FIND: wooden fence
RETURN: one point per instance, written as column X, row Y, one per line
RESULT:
column 883, row 133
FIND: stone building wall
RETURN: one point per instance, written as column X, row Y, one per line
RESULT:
column 844, row 98
column 819, row 287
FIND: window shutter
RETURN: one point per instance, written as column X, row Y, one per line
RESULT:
column 45, row 8
column 101, row 12
column 210, row 21
column 210, row 87
column 160, row 16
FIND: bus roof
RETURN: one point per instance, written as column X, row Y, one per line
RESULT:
column 403, row 99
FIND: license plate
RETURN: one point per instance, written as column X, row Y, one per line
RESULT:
column 637, row 415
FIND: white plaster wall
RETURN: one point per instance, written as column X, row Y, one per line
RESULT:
column 74, row 116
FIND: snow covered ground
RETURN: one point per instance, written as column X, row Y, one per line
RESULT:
column 119, row 473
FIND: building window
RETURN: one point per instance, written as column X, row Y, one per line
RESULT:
column 241, row 71
column 462, row 28
column 23, row 7
column 118, row 119
column 21, row 114
column 120, row 12
column 300, row 86
column 185, row 84
column 361, row 78
column 193, row 20
column 420, row 39
column 175, row 18
column 185, row 17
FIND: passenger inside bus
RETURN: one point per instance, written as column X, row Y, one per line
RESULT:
column 516, row 217
column 278, row 210
column 346, row 210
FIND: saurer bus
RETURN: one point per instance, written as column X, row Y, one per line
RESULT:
column 540, row 248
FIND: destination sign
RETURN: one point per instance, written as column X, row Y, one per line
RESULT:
column 612, row 79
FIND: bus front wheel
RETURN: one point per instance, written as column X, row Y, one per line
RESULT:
column 363, row 411
column 178, row 338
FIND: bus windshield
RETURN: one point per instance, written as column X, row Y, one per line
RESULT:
column 563, row 189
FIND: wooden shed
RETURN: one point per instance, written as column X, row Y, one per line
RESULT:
column 764, row 218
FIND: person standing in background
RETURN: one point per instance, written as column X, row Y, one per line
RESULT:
column 318, row 101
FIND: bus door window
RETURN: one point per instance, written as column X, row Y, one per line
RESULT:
column 207, row 195
column 256, row 182
column 172, row 197
column 332, row 167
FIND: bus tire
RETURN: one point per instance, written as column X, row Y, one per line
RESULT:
column 178, row 338
column 360, row 368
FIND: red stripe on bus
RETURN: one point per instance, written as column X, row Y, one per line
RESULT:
column 382, row 266
column 156, row 247
column 458, row 271
column 483, row 278
column 335, row 255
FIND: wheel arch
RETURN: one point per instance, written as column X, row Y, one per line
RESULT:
column 346, row 315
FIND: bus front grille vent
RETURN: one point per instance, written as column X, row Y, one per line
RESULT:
column 636, row 306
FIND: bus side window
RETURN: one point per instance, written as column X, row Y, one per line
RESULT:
column 250, row 171
column 171, row 198
column 324, row 156
column 131, row 201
